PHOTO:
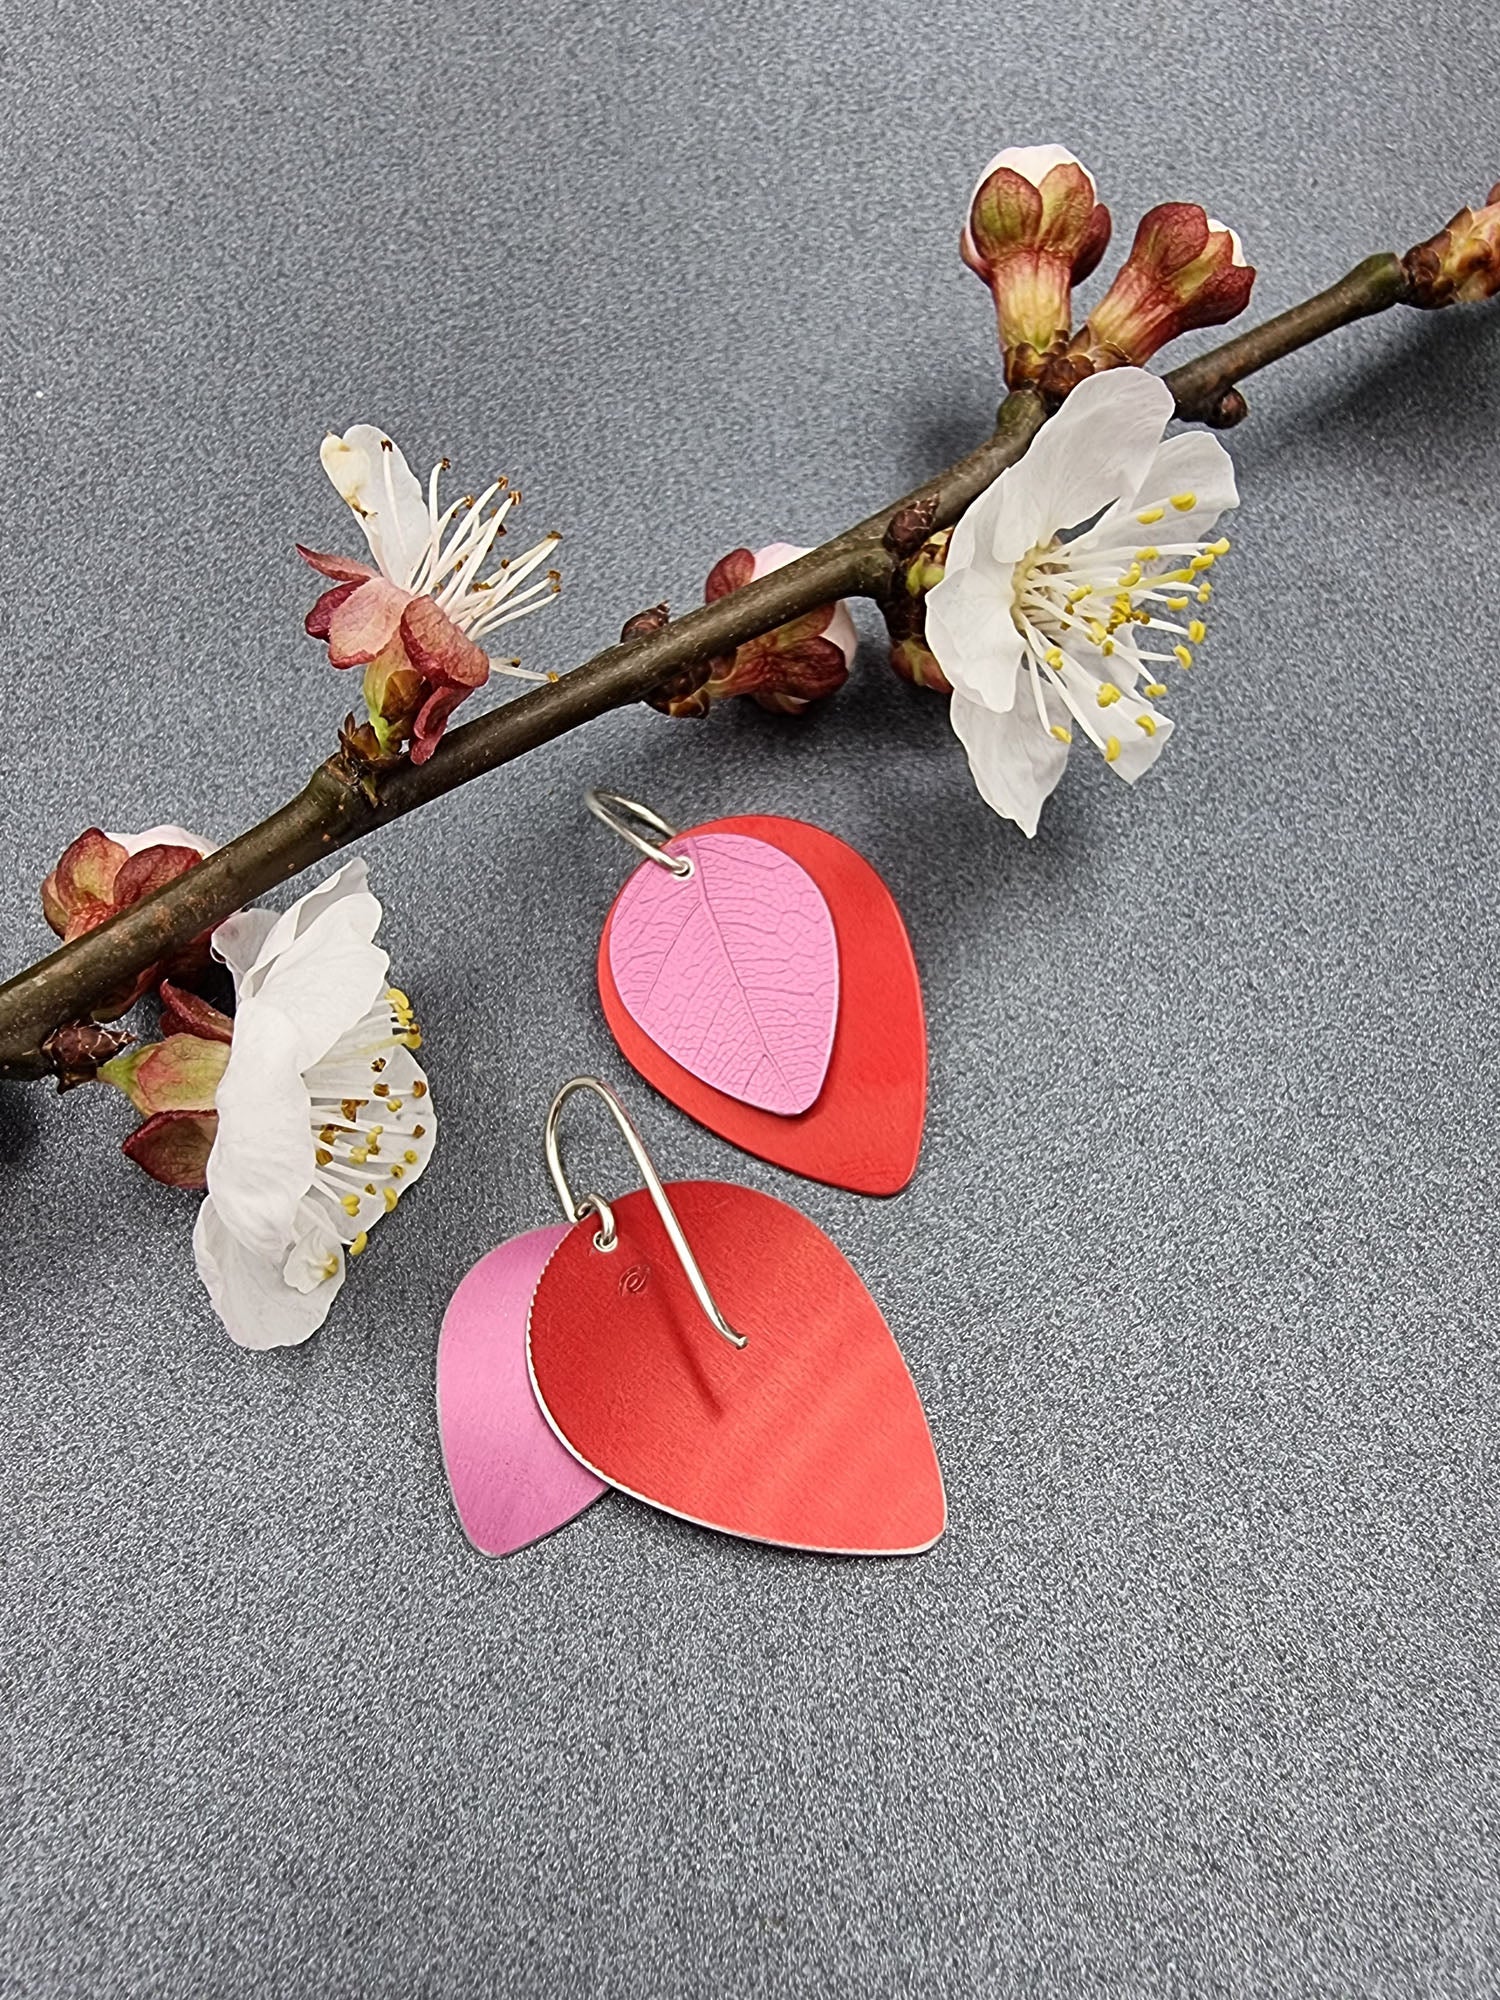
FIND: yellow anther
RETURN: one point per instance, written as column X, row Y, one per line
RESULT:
column 359, row 1155
column 1108, row 693
column 1205, row 592
column 1179, row 576
column 1055, row 659
column 331, row 1267
column 419, row 1089
column 396, row 997
column 1197, row 631
column 1096, row 631
column 1184, row 502
column 1177, row 604
column 360, row 1243
column 1156, row 689
column 1150, row 516
column 1107, row 647
column 398, row 1173
column 1131, row 577
column 1221, row 546
column 1200, row 563
column 1146, row 722
column 322, row 1156
column 413, row 1040
column 390, row 1200
column 1062, row 735
column 394, row 1104
column 1148, row 555
column 349, row 1203
column 411, row 1156
column 1111, row 749
column 1183, row 657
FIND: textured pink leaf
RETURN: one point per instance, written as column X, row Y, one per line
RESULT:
column 732, row 970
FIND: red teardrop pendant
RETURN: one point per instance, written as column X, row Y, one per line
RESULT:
column 864, row 1130
column 811, row 1436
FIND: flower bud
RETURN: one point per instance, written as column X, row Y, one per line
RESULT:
column 1034, row 231
column 180, row 1074
column 1184, row 270
column 1461, row 264
column 173, row 1147
column 906, row 614
column 101, row 874
column 785, row 670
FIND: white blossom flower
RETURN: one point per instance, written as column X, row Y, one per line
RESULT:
column 324, row 1115
column 422, row 611
column 1072, row 583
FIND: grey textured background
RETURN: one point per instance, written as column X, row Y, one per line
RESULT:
column 1197, row 1278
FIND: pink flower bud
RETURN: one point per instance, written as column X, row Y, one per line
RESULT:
column 1034, row 231
column 1461, row 264
column 1184, row 270
column 101, row 874
column 785, row 670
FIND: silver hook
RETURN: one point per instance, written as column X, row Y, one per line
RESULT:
column 607, row 1237
column 600, row 804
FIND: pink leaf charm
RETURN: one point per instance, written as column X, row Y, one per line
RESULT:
column 733, row 970
column 512, row 1482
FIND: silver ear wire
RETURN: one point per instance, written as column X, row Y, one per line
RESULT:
column 602, row 805
column 607, row 1237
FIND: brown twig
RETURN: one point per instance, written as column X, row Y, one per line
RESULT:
column 336, row 807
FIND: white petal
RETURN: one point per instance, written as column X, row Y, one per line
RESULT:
column 1236, row 247
column 374, row 478
column 250, row 1293
column 353, row 879
column 1192, row 463
column 326, row 980
column 238, row 940
column 1139, row 748
column 1096, row 450
column 162, row 836
column 1016, row 762
column 261, row 1164
column 972, row 634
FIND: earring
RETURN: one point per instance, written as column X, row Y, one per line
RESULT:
column 702, row 1347
column 756, row 972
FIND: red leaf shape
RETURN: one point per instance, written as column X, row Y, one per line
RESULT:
column 811, row 1436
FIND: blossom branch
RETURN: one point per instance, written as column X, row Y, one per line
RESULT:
column 344, row 800
column 1205, row 388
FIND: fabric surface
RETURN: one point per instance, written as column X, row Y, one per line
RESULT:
column 1197, row 1696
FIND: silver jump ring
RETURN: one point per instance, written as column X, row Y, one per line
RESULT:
column 602, row 804
column 607, row 1235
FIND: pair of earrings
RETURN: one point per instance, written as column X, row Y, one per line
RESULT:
column 757, row 972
